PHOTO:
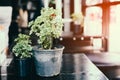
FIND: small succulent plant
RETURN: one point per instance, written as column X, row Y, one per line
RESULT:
column 22, row 48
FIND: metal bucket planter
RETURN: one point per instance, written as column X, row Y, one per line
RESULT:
column 48, row 62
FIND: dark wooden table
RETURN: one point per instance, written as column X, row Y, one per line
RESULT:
column 74, row 67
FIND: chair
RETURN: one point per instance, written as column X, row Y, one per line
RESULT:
column 5, row 20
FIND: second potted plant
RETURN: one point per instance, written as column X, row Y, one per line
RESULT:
column 48, row 27
column 22, row 51
column 78, row 20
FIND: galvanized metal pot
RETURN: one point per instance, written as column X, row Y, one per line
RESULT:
column 48, row 62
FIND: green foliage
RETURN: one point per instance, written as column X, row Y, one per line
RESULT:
column 22, row 48
column 47, row 26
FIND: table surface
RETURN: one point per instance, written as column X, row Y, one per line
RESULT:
column 74, row 67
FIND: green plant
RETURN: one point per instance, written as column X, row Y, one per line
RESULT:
column 47, row 26
column 78, row 18
column 22, row 48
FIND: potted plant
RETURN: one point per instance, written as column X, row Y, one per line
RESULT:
column 22, row 55
column 78, row 20
column 48, row 27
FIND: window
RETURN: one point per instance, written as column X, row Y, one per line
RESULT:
column 92, row 2
column 114, row 27
column 104, row 13
column 93, row 21
column 114, row 0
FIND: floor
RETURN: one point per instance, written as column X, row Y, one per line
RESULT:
column 108, row 63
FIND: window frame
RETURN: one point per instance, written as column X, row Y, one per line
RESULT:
column 105, row 6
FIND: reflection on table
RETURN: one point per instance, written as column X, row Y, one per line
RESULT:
column 74, row 67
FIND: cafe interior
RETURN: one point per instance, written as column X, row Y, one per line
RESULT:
column 90, row 28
